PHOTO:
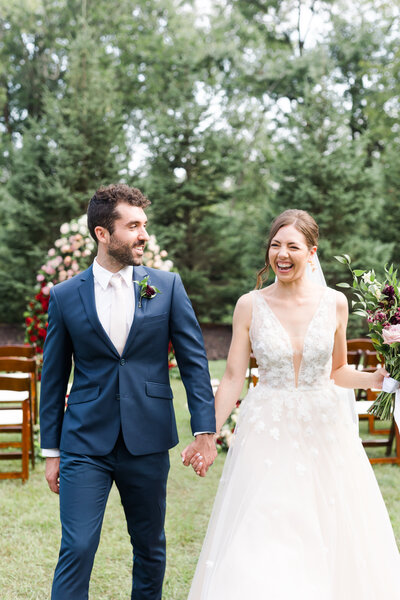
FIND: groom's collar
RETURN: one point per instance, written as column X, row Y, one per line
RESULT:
column 103, row 276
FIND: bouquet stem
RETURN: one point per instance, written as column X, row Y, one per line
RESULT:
column 382, row 407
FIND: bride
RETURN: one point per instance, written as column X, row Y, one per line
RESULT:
column 298, row 513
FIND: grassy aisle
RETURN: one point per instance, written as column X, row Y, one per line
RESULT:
column 29, row 528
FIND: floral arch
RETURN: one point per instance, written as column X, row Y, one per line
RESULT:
column 72, row 253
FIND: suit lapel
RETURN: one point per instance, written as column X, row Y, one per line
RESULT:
column 86, row 291
column 138, row 274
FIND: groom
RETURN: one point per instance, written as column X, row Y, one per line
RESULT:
column 119, row 422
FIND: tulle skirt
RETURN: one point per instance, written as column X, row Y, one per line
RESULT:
column 298, row 514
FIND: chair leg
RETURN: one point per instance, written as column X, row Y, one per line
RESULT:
column 25, row 440
column 371, row 424
column 33, row 399
column 31, row 437
column 390, row 439
column 397, row 441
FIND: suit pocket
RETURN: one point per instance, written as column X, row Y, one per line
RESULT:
column 84, row 395
column 158, row 390
column 163, row 317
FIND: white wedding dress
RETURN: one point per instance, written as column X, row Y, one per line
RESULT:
column 298, row 513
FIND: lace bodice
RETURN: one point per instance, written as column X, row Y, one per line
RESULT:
column 273, row 349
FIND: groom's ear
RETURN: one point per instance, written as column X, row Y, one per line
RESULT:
column 102, row 234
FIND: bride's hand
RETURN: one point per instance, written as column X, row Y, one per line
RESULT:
column 377, row 378
column 200, row 454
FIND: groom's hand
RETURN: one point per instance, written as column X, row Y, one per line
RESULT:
column 53, row 473
column 201, row 453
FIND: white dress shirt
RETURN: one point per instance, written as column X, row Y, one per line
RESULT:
column 102, row 297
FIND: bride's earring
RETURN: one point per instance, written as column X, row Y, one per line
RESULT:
column 311, row 263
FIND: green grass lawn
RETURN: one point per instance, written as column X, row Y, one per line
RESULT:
column 30, row 530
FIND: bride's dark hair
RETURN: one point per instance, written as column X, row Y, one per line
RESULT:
column 303, row 223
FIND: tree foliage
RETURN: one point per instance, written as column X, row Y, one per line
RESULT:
column 225, row 119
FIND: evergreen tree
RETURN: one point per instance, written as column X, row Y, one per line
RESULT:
column 388, row 224
column 77, row 144
column 321, row 169
column 34, row 206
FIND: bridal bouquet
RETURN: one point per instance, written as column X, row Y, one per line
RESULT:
column 379, row 302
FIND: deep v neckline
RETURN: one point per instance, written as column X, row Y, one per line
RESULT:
column 296, row 376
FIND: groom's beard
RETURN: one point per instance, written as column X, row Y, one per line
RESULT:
column 124, row 252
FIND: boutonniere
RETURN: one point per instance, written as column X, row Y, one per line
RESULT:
column 146, row 290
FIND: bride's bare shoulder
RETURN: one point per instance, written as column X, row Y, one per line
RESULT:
column 245, row 302
column 244, row 308
column 341, row 300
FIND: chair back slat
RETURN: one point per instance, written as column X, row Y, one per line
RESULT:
column 360, row 344
column 15, row 384
column 18, row 350
column 17, row 365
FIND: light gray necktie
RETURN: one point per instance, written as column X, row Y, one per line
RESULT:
column 118, row 314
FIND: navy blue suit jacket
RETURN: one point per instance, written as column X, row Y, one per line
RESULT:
column 130, row 391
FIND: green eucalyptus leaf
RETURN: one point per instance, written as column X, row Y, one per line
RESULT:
column 341, row 259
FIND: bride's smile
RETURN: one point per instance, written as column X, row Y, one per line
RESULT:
column 288, row 253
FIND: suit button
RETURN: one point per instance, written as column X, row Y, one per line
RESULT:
column 122, row 361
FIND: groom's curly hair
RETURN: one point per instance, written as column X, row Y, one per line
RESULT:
column 102, row 211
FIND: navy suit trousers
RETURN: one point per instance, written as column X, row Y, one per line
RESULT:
column 85, row 483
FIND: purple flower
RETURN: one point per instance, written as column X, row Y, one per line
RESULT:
column 379, row 317
column 395, row 319
column 149, row 292
column 146, row 291
column 389, row 292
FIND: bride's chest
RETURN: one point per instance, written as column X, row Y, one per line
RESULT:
column 285, row 333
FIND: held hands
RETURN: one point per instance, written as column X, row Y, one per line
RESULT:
column 201, row 453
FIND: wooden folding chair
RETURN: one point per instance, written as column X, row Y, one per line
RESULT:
column 25, row 351
column 24, row 369
column 15, row 415
column 363, row 350
column 252, row 372
column 354, row 357
column 362, row 344
column 370, row 364
column 392, row 433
